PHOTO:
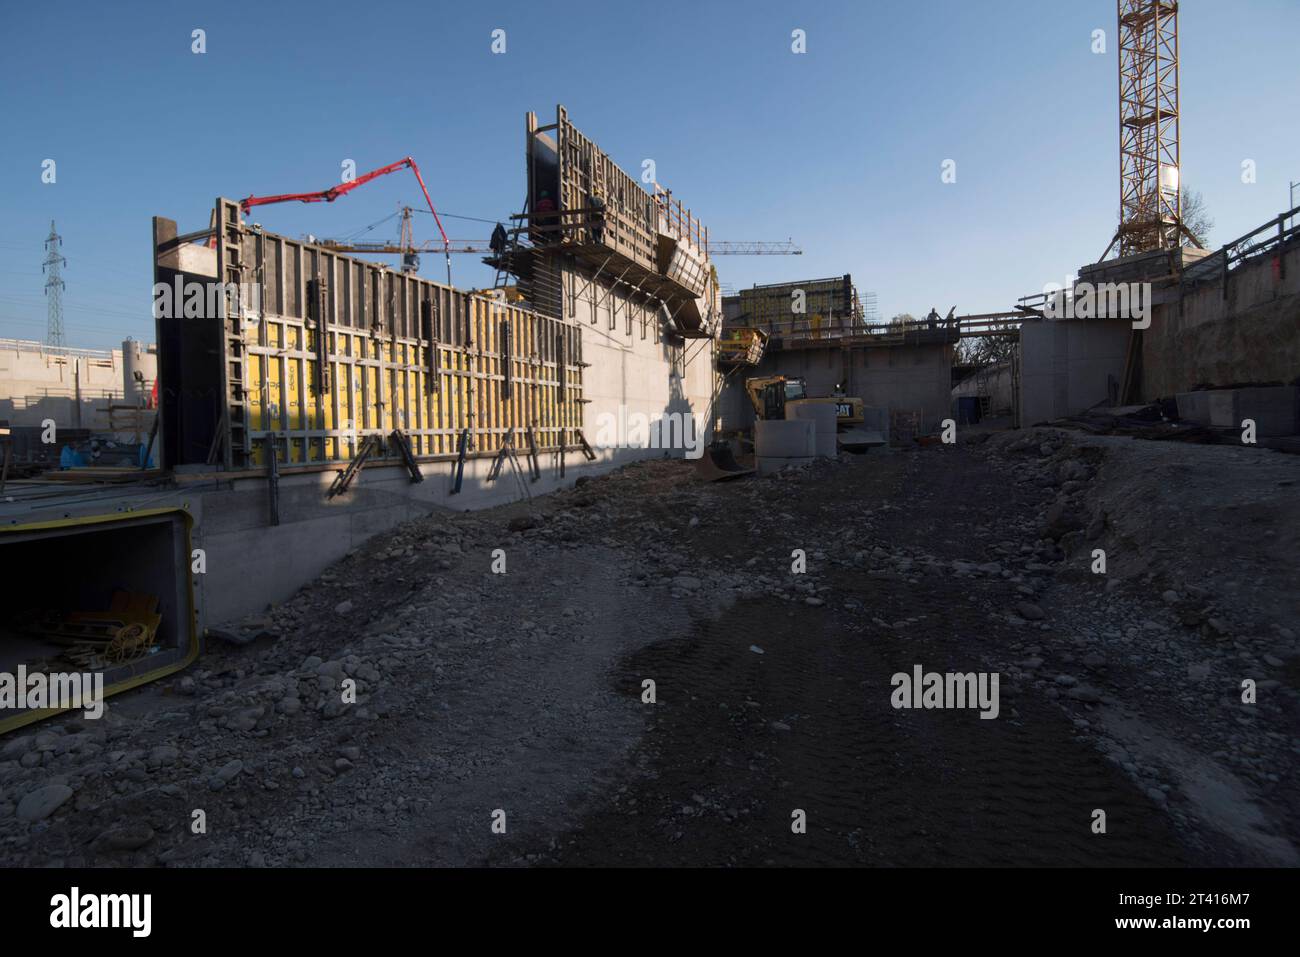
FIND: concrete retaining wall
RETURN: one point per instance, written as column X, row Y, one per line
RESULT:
column 913, row 378
column 1068, row 366
column 1251, row 336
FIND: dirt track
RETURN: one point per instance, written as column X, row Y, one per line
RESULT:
column 524, row 691
column 719, row 774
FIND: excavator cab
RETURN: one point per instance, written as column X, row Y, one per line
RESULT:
column 770, row 394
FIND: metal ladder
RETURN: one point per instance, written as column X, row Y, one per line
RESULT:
column 237, row 447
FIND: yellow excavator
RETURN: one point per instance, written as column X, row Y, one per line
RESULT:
column 771, row 395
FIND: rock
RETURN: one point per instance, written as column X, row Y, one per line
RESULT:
column 1066, row 681
column 164, row 754
column 780, row 726
column 755, row 649
column 15, row 749
column 128, row 837
column 1085, row 694
column 236, row 638
column 1157, row 795
column 686, row 582
column 1059, row 520
column 343, row 607
column 228, row 773
column 1170, row 597
column 1029, row 611
column 39, row 804
column 521, row 523
column 815, row 602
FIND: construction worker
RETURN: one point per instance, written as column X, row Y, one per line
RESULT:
column 498, row 241
column 597, row 218
column 544, row 216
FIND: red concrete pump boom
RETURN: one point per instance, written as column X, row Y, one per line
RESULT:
column 342, row 189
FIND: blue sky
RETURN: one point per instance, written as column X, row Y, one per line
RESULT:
column 839, row 148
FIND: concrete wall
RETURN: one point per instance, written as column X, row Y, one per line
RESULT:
column 70, row 386
column 1069, row 365
column 994, row 382
column 913, row 378
column 634, row 367
column 906, row 379
column 1253, row 335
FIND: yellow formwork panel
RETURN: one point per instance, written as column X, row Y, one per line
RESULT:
column 378, row 382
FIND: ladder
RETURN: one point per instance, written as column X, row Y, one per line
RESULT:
column 235, row 447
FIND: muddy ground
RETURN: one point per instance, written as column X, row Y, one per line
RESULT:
column 525, row 692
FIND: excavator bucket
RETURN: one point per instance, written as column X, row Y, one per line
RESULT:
column 718, row 463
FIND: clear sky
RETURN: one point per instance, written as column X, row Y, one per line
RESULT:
column 839, row 148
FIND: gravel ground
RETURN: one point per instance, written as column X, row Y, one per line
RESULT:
column 521, row 698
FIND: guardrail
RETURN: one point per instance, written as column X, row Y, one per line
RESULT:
column 31, row 345
column 1218, row 265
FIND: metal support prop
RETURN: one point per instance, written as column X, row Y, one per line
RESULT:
column 153, row 436
column 460, row 461
column 345, row 477
column 273, row 476
column 507, row 448
column 404, row 450
column 534, row 466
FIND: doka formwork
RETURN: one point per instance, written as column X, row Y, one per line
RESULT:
column 316, row 351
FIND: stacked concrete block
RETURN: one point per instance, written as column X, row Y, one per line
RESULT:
column 1275, row 410
column 822, row 415
column 779, row 443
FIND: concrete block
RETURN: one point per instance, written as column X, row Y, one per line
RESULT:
column 789, row 438
column 822, row 415
column 1274, row 409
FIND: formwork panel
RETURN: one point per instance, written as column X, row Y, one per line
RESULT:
column 399, row 352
